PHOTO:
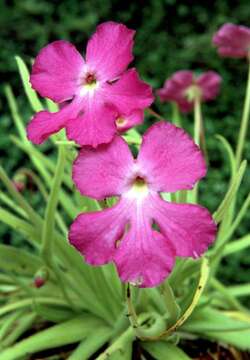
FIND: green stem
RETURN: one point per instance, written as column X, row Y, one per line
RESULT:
column 49, row 222
column 244, row 122
column 197, row 136
column 176, row 118
column 155, row 114
column 197, row 120
column 131, row 310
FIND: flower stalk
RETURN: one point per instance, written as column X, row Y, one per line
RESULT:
column 49, row 222
column 244, row 122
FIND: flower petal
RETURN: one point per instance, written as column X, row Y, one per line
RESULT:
column 170, row 159
column 174, row 89
column 95, row 126
column 104, row 171
column 109, row 51
column 144, row 257
column 129, row 93
column 44, row 123
column 232, row 52
column 56, row 70
column 210, row 85
column 95, row 234
column 190, row 228
column 125, row 122
column 232, row 40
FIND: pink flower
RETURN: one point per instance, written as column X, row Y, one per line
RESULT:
column 126, row 121
column 98, row 87
column 233, row 41
column 180, row 88
column 142, row 233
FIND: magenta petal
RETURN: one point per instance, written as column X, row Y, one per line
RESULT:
column 95, row 234
column 125, row 122
column 44, row 123
column 232, row 40
column 189, row 228
column 95, row 126
column 129, row 93
column 144, row 257
column 56, row 70
column 174, row 89
column 228, row 51
column 103, row 172
column 109, row 51
column 170, row 159
column 210, row 85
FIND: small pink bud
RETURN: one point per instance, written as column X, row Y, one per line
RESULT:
column 41, row 277
column 39, row 282
column 19, row 185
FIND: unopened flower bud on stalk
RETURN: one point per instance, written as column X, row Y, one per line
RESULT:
column 41, row 277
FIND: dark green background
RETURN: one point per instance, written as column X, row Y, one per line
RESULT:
column 171, row 35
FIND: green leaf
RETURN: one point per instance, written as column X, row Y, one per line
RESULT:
column 9, row 321
column 15, row 113
column 231, row 193
column 18, row 260
column 29, row 303
column 172, row 306
column 119, row 346
column 19, row 225
column 227, row 233
column 33, row 216
column 132, row 137
column 237, row 245
column 24, row 323
column 31, row 94
column 52, row 107
column 239, row 290
column 69, row 332
column 230, row 154
column 39, row 161
column 162, row 350
column 53, row 313
column 219, row 326
column 91, row 344
column 11, row 204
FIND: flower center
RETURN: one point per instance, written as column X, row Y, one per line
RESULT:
column 89, row 83
column 90, row 79
column 193, row 92
column 120, row 122
column 139, row 188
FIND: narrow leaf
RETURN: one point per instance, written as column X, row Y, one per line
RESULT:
column 162, row 350
column 237, row 245
column 31, row 94
column 18, row 260
column 220, row 326
column 231, row 193
column 69, row 332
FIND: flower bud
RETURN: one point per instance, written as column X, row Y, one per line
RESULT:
column 40, row 277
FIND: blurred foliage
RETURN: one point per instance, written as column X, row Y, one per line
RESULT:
column 171, row 35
